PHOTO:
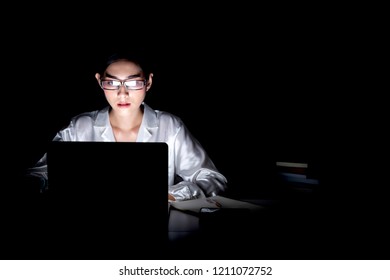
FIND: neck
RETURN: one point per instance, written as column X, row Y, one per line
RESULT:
column 126, row 121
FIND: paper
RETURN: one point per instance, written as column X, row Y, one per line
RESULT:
column 195, row 205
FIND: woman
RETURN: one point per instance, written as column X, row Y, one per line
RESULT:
column 125, row 81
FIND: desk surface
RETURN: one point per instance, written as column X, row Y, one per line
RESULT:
column 230, row 230
column 281, row 230
column 278, row 232
column 299, row 226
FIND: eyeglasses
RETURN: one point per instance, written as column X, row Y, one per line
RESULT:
column 116, row 84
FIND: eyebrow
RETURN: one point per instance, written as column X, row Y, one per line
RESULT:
column 128, row 77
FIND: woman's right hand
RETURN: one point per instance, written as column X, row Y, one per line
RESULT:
column 170, row 197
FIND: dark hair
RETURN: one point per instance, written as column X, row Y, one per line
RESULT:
column 138, row 57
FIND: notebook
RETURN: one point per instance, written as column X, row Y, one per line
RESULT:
column 109, row 199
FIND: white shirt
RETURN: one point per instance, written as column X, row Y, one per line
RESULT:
column 187, row 158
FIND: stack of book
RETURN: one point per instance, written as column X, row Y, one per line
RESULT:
column 296, row 176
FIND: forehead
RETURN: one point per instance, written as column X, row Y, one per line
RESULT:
column 123, row 67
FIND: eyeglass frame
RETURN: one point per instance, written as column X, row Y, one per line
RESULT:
column 122, row 83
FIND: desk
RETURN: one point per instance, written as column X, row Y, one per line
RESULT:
column 300, row 226
column 33, row 233
column 182, row 224
column 281, row 230
column 226, row 232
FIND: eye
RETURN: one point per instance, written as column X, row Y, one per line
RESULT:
column 139, row 83
column 135, row 84
column 113, row 83
column 132, row 83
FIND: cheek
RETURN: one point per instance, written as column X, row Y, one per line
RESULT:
column 109, row 96
column 139, row 97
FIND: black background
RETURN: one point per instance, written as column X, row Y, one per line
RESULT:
column 252, row 85
column 247, row 92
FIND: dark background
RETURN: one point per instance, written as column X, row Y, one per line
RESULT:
column 253, row 85
column 245, row 94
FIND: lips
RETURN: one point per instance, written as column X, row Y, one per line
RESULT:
column 123, row 104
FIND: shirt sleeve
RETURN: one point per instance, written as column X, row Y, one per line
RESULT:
column 198, row 176
column 39, row 170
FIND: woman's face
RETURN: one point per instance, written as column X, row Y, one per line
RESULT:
column 124, row 86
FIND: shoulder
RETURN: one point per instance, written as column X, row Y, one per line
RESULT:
column 165, row 116
column 162, row 117
column 90, row 117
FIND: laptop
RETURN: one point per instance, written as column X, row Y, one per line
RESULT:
column 107, row 199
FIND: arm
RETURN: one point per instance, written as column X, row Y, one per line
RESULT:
column 197, row 174
column 37, row 175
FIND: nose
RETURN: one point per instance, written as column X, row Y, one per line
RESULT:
column 122, row 90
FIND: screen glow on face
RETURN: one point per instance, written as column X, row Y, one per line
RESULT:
column 129, row 84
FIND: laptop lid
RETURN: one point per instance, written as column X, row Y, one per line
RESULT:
column 107, row 197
